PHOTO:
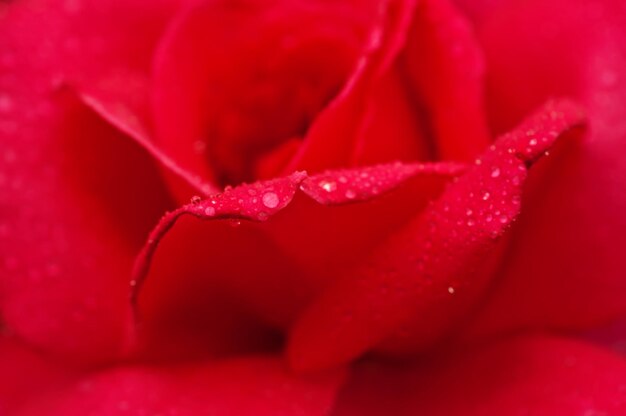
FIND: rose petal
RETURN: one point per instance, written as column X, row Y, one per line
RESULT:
column 265, row 70
column 430, row 51
column 425, row 276
column 444, row 64
column 521, row 376
column 393, row 125
column 268, row 248
column 112, row 98
column 331, row 139
column 26, row 374
column 566, row 268
column 76, row 196
column 245, row 386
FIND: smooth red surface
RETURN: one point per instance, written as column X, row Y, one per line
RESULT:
column 425, row 277
column 243, row 386
column 117, row 118
column 565, row 268
column 532, row 375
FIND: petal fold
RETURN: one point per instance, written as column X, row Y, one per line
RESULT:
column 244, row 386
column 263, row 251
column 419, row 282
column 536, row 375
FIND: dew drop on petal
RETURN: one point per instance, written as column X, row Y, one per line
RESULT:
column 495, row 172
column 328, row 186
column 270, row 200
column 210, row 211
column 350, row 194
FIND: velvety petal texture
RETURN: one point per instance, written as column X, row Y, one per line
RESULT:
column 426, row 273
column 269, row 248
column 298, row 207
column 244, row 386
column 534, row 375
column 566, row 267
column 27, row 373
column 252, row 88
column 77, row 197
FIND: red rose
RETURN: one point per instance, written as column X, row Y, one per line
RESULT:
column 351, row 208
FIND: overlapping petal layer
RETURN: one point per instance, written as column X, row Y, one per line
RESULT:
column 26, row 373
column 534, row 375
column 566, row 267
column 77, row 198
column 243, row 386
column 270, row 247
column 265, row 71
column 426, row 276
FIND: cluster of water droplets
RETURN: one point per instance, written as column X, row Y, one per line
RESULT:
column 341, row 186
column 257, row 201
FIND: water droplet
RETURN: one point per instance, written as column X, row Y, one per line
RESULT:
column 210, row 211
column 196, row 199
column 488, row 218
column 450, row 290
column 495, row 172
column 533, row 142
column 504, row 219
column 469, row 212
column 343, row 179
column 486, row 196
column 350, row 194
column 270, row 200
column 328, row 186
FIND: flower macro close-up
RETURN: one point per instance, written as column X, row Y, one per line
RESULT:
column 312, row 207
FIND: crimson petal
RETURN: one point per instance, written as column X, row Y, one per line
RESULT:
column 424, row 276
column 26, row 374
column 269, row 247
column 566, row 268
column 332, row 137
column 115, row 100
column 444, row 65
column 533, row 375
column 76, row 196
column 265, row 71
column 245, row 386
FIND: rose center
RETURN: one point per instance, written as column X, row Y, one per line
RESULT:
column 276, row 98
